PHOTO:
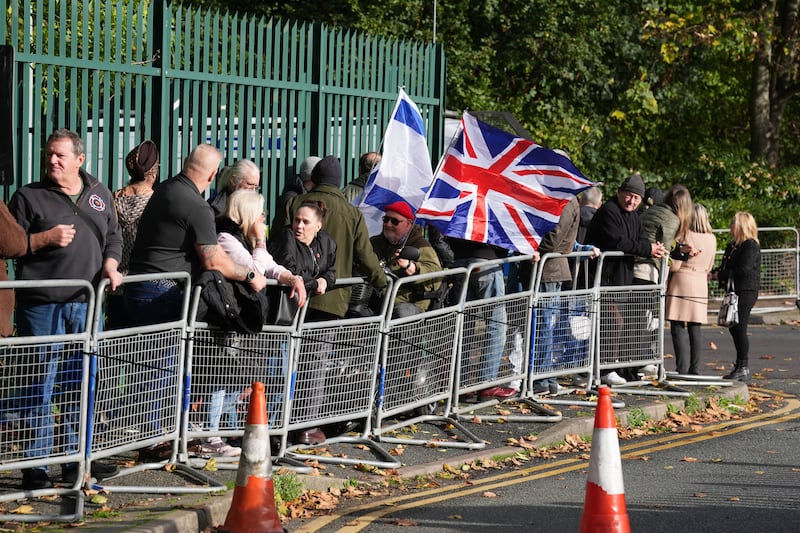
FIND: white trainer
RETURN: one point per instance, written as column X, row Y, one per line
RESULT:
column 612, row 378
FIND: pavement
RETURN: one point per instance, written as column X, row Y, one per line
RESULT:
column 170, row 513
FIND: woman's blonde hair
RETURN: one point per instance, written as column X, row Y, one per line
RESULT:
column 243, row 208
column 679, row 200
column 700, row 222
column 743, row 227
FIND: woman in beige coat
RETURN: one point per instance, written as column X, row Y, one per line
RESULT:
column 687, row 293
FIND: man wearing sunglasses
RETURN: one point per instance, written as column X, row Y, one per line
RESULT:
column 393, row 246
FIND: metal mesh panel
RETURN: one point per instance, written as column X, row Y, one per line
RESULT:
column 23, row 372
column 335, row 372
column 137, row 388
column 561, row 343
column 629, row 325
column 418, row 359
column 485, row 323
column 224, row 365
column 778, row 275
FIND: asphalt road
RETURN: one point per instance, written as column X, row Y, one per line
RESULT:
column 735, row 477
column 731, row 477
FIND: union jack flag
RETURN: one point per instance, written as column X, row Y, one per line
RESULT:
column 499, row 189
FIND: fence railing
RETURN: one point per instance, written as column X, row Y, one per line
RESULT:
column 780, row 263
column 273, row 91
column 184, row 381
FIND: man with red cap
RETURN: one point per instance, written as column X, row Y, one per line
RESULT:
column 392, row 246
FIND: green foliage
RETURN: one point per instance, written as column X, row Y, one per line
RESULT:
column 637, row 418
column 692, row 405
column 661, row 88
column 727, row 183
column 288, row 487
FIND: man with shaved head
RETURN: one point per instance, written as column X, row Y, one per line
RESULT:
column 177, row 234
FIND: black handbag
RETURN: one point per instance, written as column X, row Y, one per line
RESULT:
column 283, row 307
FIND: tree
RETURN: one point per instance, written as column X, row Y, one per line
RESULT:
column 765, row 34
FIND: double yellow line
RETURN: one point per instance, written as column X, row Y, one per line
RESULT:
column 551, row 468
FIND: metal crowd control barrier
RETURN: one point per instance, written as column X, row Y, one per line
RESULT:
column 563, row 331
column 334, row 367
column 631, row 330
column 780, row 267
column 32, row 437
column 221, row 366
column 138, row 391
column 418, row 355
column 491, row 328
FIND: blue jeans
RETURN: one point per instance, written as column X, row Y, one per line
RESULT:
column 542, row 334
column 148, row 303
column 489, row 283
column 51, row 371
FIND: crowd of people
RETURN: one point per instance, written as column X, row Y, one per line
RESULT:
column 69, row 225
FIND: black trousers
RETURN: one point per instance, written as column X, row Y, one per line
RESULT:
column 747, row 299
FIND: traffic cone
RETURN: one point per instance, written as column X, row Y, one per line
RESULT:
column 253, row 507
column 604, row 508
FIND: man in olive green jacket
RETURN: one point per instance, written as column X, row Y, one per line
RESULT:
column 398, row 232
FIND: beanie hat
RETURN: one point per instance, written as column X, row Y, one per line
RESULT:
column 633, row 183
column 401, row 208
column 307, row 166
column 653, row 196
column 141, row 159
column 328, row 171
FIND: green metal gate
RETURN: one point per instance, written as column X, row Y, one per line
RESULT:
column 271, row 91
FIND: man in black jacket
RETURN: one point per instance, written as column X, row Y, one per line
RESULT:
column 616, row 227
column 72, row 234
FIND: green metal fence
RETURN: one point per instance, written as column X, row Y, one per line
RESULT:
column 264, row 89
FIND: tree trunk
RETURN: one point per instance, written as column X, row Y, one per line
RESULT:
column 774, row 80
column 760, row 123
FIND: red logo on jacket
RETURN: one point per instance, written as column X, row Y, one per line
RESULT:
column 97, row 203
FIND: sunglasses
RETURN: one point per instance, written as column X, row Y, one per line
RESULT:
column 393, row 220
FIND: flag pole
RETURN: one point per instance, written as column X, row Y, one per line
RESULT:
column 436, row 171
column 380, row 146
column 450, row 144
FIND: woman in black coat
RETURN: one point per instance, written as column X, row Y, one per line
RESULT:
column 741, row 264
column 306, row 250
column 309, row 252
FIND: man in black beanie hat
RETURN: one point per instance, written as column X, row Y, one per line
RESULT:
column 616, row 227
column 345, row 223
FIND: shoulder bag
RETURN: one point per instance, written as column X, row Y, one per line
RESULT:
column 729, row 309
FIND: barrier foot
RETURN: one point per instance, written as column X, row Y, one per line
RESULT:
column 72, row 493
column 655, row 388
column 209, row 483
column 384, row 459
column 534, row 404
column 472, row 441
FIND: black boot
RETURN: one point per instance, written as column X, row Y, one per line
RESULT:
column 740, row 373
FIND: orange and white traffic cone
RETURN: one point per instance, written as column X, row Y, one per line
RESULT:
column 604, row 508
column 253, row 507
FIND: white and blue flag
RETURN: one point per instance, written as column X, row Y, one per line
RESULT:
column 404, row 172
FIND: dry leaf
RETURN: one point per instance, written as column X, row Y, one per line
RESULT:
column 489, row 494
column 712, row 346
column 734, row 499
column 455, row 517
column 690, row 460
column 22, row 509
column 700, row 495
column 403, row 522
